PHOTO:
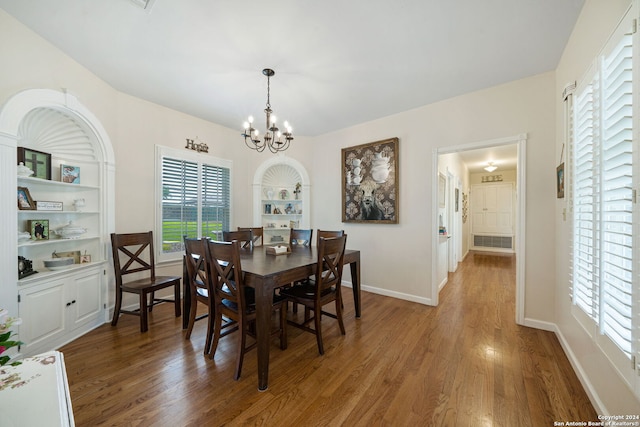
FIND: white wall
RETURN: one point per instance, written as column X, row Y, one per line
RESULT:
column 597, row 21
column 524, row 106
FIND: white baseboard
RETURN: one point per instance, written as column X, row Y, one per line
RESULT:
column 388, row 293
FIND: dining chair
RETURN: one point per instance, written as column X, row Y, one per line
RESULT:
column 299, row 237
column 243, row 237
column 256, row 234
column 328, row 233
column 199, row 287
column 235, row 301
column 133, row 253
column 324, row 289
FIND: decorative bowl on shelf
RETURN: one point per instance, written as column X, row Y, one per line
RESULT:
column 70, row 231
column 23, row 236
column 58, row 263
column 24, row 171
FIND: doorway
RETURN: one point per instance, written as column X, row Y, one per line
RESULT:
column 442, row 165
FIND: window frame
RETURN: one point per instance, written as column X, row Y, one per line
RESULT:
column 188, row 156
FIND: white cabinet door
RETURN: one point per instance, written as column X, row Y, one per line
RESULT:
column 84, row 298
column 42, row 309
column 492, row 209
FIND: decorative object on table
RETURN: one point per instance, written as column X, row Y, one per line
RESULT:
column 298, row 190
column 48, row 206
column 70, row 174
column 273, row 138
column 370, row 182
column 70, row 231
column 200, row 147
column 6, row 333
column 68, row 254
column 38, row 161
column 284, row 194
column 58, row 263
column 25, row 202
column 39, row 229
column 78, row 204
column 23, row 171
column 278, row 250
column 25, row 267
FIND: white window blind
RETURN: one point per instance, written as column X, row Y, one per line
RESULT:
column 195, row 199
column 603, row 281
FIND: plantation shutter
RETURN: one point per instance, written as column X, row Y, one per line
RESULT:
column 617, row 194
column 196, row 200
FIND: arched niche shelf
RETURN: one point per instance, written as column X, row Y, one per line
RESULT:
column 276, row 174
column 55, row 122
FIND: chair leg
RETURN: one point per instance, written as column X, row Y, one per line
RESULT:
column 176, row 298
column 339, row 314
column 217, row 328
column 143, row 312
column 242, row 329
column 192, row 318
column 210, row 328
column 318, row 325
column 283, row 326
column 153, row 298
column 116, row 308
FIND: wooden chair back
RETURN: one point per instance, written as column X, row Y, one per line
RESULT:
column 299, row 237
column 243, row 237
column 257, row 233
column 196, row 267
column 225, row 270
column 133, row 253
column 327, row 234
column 330, row 263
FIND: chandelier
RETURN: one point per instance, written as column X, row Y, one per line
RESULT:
column 273, row 138
column 491, row 167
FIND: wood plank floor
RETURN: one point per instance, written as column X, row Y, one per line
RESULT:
column 463, row 363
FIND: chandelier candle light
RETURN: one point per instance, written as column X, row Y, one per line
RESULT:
column 273, row 138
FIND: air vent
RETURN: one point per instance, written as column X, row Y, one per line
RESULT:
column 501, row 242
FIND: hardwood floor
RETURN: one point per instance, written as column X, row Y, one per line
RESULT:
column 463, row 363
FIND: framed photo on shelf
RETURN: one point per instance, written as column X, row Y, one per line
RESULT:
column 560, row 181
column 84, row 259
column 25, row 202
column 38, row 161
column 48, row 206
column 370, row 182
column 70, row 174
column 39, row 229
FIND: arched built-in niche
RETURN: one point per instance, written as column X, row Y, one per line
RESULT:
column 281, row 173
column 54, row 122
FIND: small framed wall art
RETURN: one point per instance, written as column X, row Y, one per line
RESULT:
column 38, row 161
column 39, row 229
column 25, row 202
column 70, row 174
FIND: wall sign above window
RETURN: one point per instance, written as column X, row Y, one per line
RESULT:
column 200, row 147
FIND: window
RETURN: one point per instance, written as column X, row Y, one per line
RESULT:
column 194, row 199
column 604, row 270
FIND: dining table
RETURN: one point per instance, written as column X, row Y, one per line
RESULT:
column 266, row 272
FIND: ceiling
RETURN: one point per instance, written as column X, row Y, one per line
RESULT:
column 338, row 63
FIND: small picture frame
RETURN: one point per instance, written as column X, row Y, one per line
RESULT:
column 39, row 229
column 38, row 161
column 70, row 174
column 560, row 181
column 85, row 259
column 25, row 202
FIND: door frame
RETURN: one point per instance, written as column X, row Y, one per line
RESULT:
column 520, row 141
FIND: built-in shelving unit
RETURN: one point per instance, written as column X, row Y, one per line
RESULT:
column 281, row 198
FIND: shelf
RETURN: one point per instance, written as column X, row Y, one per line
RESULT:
column 57, row 212
column 285, row 214
column 32, row 243
column 281, row 200
column 25, row 181
column 43, row 273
